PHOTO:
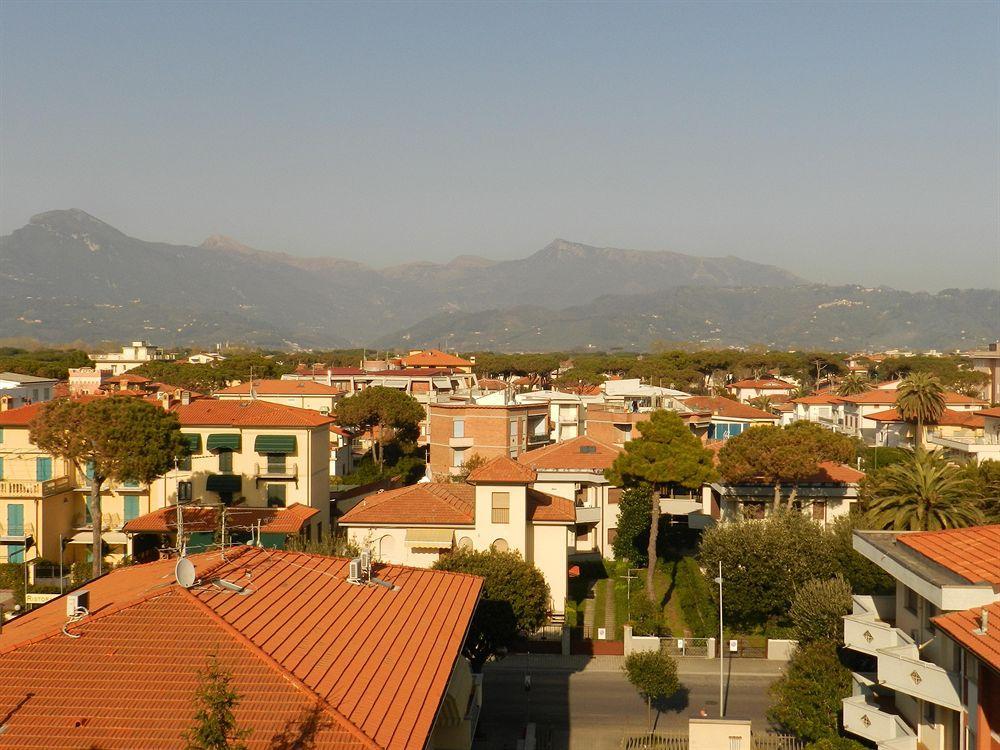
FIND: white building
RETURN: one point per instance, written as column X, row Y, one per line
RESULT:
column 926, row 684
column 134, row 355
column 20, row 390
column 983, row 446
column 751, row 388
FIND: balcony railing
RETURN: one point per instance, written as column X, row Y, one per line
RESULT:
column 902, row 669
column 587, row 515
column 868, row 720
column 273, row 471
column 17, row 531
column 867, row 634
column 34, row 488
column 501, row 515
column 109, row 522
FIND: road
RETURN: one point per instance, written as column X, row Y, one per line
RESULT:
column 592, row 708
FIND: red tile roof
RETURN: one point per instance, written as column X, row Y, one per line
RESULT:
column 768, row 383
column 964, row 628
column 544, row 507
column 413, row 372
column 818, row 398
column 126, row 377
column 878, row 396
column 973, row 553
column 726, row 407
column 215, row 413
column 948, row 418
column 372, row 664
column 994, row 412
column 288, row 520
column 434, row 358
column 284, row 388
column 491, row 384
column 427, row 503
column 503, row 470
column 21, row 416
column 833, row 472
column 568, row 456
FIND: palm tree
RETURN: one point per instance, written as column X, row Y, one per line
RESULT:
column 924, row 493
column 853, row 384
column 763, row 403
column 920, row 399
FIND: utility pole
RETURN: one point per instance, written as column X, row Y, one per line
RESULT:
column 722, row 690
column 180, row 515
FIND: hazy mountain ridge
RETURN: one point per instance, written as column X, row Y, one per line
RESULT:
column 67, row 275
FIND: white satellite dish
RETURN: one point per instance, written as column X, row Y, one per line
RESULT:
column 184, row 572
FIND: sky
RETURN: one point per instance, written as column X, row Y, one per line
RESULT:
column 847, row 142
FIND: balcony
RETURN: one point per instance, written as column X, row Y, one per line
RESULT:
column 277, row 472
column 587, row 515
column 17, row 534
column 982, row 447
column 109, row 522
column 902, row 669
column 868, row 720
column 681, row 505
column 869, row 627
column 460, row 442
column 18, row 488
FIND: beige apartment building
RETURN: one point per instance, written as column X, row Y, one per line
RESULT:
column 303, row 394
column 134, row 355
column 987, row 361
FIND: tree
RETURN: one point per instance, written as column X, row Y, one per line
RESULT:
column 864, row 576
column 653, row 675
column 806, row 698
column 633, row 524
column 469, row 465
column 920, row 399
column 836, row 743
column 818, row 610
column 853, row 384
column 120, row 438
column 215, row 722
column 646, row 616
column 985, row 478
column 781, row 455
column 386, row 412
column 764, row 403
column 667, row 454
column 515, row 600
column 925, row 493
column 764, row 563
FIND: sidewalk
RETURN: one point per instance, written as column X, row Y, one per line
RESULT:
column 690, row 665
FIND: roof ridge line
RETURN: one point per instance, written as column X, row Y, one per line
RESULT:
column 275, row 665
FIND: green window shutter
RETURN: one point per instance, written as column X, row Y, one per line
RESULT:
column 15, row 519
column 1, row 434
column 274, row 444
column 131, row 507
column 130, row 483
column 184, row 464
column 194, row 443
column 225, row 461
column 43, row 469
column 89, row 470
column 272, row 541
column 276, row 495
column 275, row 463
column 1, row 467
column 200, row 541
column 226, row 442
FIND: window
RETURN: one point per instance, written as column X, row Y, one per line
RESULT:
column 910, row 599
column 1, row 434
column 184, row 493
column 501, row 507
column 225, row 461
column 614, row 495
column 276, row 495
column 500, row 545
column 457, row 457
column 184, row 464
column 458, row 428
column 88, row 470
column 43, row 469
column 275, row 463
column 131, row 507
column 612, row 535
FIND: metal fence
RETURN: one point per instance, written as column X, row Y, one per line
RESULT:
column 684, row 646
column 679, row 741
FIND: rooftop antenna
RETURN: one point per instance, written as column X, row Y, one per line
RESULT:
column 181, row 547
column 184, row 572
column 253, row 394
column 224, row 533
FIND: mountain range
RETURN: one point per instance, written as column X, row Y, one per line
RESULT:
column 69, row 276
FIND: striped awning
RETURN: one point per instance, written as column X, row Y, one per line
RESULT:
column 223, row 442
column 274, row 444
column 432, row 538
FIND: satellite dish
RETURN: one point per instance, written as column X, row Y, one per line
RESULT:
column 184, row 572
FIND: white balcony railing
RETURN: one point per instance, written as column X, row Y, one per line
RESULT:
column 902, row 669
column 17, row 531
column 109, row 522
column 276, row 471
column 868, row 720
column 32, row 488
column 587, row 515
column 867, row 634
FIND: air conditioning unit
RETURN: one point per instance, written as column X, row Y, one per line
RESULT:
column 354, row 572
column 77, row 600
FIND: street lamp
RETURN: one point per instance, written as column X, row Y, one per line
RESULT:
column 722, row 692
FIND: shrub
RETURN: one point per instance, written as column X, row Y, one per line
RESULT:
column 694, row 595
column 806, row 698
column 835, row 743
column 818, row 609
column 647, row 618
column 653, row 675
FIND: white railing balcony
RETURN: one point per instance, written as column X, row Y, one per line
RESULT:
column 276, row 471
column 109, row 522
column 902, row 669
column 868, row 720
column 681, row 505
column 867, row 634
column 18, row 531
column 587, row 515
column 30, row 488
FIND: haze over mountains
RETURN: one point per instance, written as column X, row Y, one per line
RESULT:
column 67, row 275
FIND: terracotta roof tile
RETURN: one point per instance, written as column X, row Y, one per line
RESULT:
column 726, row 407
column 818, row 398
column 768, row 383
column 376, row 661
column 503, row 470
column 973, row 553
column 880, row 396
column 434, row 358
column 569, row 455
column 994, row 412
column 948, row 418
column 284, row 388
column 543, row 506
column 964, row 628
column 288, row 520
column 441, row 503
column 209, row 412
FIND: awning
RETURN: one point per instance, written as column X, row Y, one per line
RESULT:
column 274, row 444
column 224, row 483
column 443, row 383
column 109, row 537
column 194, row 442
column 83, row 537
column 223, row 442
column 433, row 538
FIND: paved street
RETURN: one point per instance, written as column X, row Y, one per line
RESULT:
column 590, row 705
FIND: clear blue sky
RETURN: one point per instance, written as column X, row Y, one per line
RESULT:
column 848, row 142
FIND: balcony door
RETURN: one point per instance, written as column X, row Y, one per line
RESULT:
column 15, row 527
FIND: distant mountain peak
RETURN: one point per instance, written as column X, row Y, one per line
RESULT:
column 222, row 242
column 70, row 221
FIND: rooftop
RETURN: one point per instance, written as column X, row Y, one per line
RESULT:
column 948, row 418
column 284, row 388
column 434, row 358
column 28, row 379
column 579, row 454
column 726, row 407
column 965, row 628
column 973, row 553
column 763, row 383
column 433, row 503
column 373, row 676
column 503, row 470
column 215, row 413
column 888, row 396
column 288, row 520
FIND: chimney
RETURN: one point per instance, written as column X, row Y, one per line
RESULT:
column 984, row 622
column 5, row 402
column 164, row 398
column 185, row 398
column 329, row 376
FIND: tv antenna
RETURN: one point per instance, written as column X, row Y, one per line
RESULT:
column 184, row 572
